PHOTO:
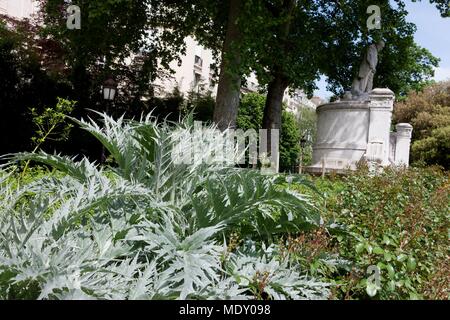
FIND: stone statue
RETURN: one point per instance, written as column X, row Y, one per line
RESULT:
column 363, row 83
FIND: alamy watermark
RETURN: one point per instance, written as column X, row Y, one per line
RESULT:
column 73, row 18
column 373, row 281
column 232, row 147
column 374, row 21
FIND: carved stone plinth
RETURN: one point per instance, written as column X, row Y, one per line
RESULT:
column 349, row 131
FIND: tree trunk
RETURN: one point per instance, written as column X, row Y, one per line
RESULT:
column 228, row 91
column 272, row 116
column 280, row 82
column 276, row 88
column 274, row 102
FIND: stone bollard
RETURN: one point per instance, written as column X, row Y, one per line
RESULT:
column 403, row 144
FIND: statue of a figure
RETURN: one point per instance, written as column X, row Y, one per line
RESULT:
column 363, row 83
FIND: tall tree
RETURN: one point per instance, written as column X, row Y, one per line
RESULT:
column 227, row 28
column 403, row 64
column 428, row 111
column 290, row 56
column 228, row 91
column 309, row 38
column 113, row 40
column 288, row 42
column 30, row 78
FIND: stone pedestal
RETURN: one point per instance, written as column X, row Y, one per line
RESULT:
column 403, row 143
column 356, row 129
column 342, row 130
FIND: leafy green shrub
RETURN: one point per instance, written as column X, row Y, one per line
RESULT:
column 429, row 113
column 50, row 123
column 308, row 128
column 435, row 148
column 250, row 116
column 251, row 111
column 167, row 107
column 26, row 82
column 397, row 221
column 202, row 105
column 147, row 227
column 289, row 142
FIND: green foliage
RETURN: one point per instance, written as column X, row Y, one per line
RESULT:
column 167, row 107
column 147, row 227
column 403, row 65
column 291, row 43
column 251, row 111
column 397, row 221
column 92, row 41
column 24, row 84
column 434, row 149
column 277, row 278
column 289, row 141
column 308, row 129
column 114, row 41
column 50, row 123
column 429, row 113
column 201, row 104
column 412, row 72
column 250, row 117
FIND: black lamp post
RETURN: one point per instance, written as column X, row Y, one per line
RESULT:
column 303, row 143
column 109, row 90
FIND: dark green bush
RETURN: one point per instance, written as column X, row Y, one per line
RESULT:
column 201, row 104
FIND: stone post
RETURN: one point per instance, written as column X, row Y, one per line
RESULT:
column 381, row 106
column 404, row 133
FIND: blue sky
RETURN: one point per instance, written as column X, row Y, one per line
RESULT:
column 433, row 33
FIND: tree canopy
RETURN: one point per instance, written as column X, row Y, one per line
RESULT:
column 289, row 43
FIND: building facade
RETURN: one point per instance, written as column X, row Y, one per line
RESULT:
column 297, row 100
column 196, row 73
column 18, row 8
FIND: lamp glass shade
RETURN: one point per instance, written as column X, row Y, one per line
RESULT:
column 109, row 93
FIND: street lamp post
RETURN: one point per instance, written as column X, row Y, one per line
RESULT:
column 302, row 145
column 304, row 141
column 109, row 90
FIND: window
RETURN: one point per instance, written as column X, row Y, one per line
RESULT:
column 198, row 61
column 197, row 79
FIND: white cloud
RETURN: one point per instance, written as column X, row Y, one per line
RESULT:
column 441, row 74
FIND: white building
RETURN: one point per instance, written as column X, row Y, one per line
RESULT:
column 18, row 8
column 196, row 73
column 297, row 100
